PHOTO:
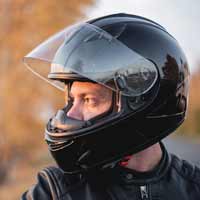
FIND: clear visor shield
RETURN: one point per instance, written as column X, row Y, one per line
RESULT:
column 92, row 53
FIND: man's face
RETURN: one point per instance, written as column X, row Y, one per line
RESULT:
column 89, row 100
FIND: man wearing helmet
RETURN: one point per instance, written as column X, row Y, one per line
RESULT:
column 125, row 80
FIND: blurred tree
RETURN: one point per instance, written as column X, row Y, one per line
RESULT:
column 191, row 126
column 24, row 99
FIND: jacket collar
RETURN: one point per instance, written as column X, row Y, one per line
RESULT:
column 126, row 175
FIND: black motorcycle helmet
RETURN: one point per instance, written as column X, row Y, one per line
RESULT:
column 144, row 66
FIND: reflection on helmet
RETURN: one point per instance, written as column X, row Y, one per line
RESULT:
column 140, row 62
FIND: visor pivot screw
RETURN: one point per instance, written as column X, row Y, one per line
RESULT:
column 121, row 82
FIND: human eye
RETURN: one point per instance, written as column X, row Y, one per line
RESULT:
column 90, row 101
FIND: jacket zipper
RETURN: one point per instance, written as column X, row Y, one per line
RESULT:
column 144, row 192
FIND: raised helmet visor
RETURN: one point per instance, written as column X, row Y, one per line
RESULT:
column 91, row 52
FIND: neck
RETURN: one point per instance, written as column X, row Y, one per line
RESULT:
column 146, row 160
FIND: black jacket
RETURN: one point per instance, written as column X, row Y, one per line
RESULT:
column 172, row 179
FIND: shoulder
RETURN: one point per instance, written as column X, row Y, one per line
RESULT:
column 51, row 183
column 186, row 169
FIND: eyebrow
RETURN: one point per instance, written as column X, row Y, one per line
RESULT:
column 97, row 93
column 86, row 93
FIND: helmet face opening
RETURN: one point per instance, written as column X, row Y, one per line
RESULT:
column 135, row 58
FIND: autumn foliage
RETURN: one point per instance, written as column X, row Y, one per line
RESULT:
column 191, row 126
column 24, row 99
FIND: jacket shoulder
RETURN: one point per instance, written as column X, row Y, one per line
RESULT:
column 48, row 186
column 186, row 169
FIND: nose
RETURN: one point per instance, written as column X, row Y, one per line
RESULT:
column 76, row 111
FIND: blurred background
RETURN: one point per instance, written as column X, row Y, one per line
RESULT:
column 27, row 102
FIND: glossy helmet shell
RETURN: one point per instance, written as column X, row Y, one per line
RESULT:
column 141, row 129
